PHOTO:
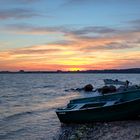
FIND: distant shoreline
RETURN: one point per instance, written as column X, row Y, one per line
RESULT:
column 123, row 71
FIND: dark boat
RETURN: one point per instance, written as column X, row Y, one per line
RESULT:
column 111, row 107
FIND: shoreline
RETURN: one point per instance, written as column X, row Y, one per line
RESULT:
column 118, row 130
column 103, row 71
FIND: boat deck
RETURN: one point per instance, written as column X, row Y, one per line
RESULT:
column 94, row 104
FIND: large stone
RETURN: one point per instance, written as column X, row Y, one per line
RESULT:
column 112, row 88
column 88, row 87
column 107, row 89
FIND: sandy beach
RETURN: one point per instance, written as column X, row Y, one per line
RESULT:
column 119, row 130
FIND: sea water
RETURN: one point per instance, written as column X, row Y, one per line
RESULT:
column 28, row 101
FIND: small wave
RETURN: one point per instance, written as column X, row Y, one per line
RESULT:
column 36, row 111
column 6, row 135
column 49, row 86
column 15, row 116
column 5, row 96
column 46, row 86
column 16, row 95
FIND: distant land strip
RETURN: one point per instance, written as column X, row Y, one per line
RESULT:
column 131, row 70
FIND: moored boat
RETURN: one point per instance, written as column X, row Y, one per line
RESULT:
column 117, row 106
column 115, row 82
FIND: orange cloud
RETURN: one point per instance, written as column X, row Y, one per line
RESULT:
column 40, row 58
column 78, row 51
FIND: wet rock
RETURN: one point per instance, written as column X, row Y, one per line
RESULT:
column 112, row 88
column 88, row 87
column 73, row 89
column 79, row 89
column 72, row 137
column 107, row 89
column 104, row 89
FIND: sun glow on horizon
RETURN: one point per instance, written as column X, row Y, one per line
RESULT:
column 75, row 69
column 69, row 41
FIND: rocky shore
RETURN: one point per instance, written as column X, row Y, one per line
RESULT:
column 119, row 130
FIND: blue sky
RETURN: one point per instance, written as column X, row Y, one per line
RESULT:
column 64, row 23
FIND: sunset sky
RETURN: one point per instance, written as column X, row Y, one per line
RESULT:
column 69, row 34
